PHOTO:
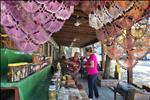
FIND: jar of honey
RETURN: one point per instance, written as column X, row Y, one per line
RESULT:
column 52, row 92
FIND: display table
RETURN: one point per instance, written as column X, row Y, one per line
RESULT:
column 27, row 86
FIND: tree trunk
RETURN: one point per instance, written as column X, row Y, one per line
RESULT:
column 130, row 75
column 107, row 67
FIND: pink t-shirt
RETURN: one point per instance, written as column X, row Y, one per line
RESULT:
column 92, row 70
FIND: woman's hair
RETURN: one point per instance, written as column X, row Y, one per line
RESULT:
column 89, row 49
column 76, row 53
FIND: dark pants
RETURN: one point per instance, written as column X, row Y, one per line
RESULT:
column 92, row 86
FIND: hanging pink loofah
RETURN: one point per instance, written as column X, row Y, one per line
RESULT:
column 100, row 34
column 3, row 6
column 115, row 51
column 6, row 19
column 26, row 46
column 30, row 6
column 128, row 43
column 64, row 13
column 53, row 6
column 14, row 9
column 40, row 36
column 24, row 24
column 112, row 52
column 139, row 53
column 127, row 62
column 30, row 27
column 41, row 17
column 72, row 2
column 54, row 26
column 111, row 30
column 15, row 33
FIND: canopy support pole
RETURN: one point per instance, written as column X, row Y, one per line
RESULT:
column 130, row 75
column 103, row 57
column 107, row 67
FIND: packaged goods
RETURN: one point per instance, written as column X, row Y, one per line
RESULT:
column 17, row 71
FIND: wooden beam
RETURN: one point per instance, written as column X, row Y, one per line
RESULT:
column 79, row 38
column 65, row 38
column 90, row 42
column 78, row 12
column 75, row 30
column 62, row 42
column 75, row 44
column 84, row 33
column 77, row 27
column 72, row 36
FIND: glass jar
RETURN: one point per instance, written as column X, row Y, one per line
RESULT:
column 52, row 92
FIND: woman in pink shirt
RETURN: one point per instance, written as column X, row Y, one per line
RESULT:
column 91, row 68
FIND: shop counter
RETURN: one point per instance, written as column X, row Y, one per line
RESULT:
column 11, row 56
column 27, row 86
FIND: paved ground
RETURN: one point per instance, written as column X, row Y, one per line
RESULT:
column 105, row 93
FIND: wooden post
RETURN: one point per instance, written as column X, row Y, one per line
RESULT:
column 118, row 69
column 130, row 75
column 103, row 57
column 130, row 63
column 116, row 74
column 48, row 51
column 59, row 55
column 107, row 67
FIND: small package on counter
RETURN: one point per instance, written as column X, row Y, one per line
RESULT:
column 74, row 94
column 73, row 97
column 68, row 77
column 84, row 95
column 69, row 94
column 70, row 83
column 36, row 58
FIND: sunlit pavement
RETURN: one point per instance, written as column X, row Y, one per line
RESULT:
column 141, row 73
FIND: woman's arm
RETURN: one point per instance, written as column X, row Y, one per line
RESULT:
column 89, row 66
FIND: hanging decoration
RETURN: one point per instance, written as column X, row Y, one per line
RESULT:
column 130, row 46
column 30, row 23
column 127, row 37
column 51, row 15
column 107, row 12
column 122, row 26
